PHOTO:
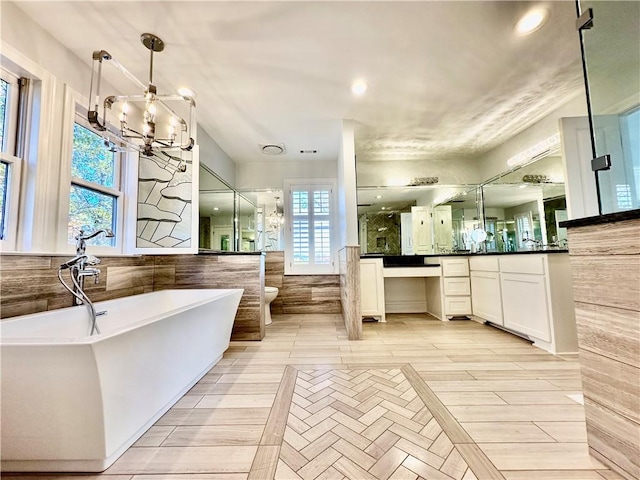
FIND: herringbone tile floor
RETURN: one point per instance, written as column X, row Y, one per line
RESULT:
column 416, row 399
column 368, row 424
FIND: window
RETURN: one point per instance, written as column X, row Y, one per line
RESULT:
column 310, row 247
column 95, row 186
column 9, row 163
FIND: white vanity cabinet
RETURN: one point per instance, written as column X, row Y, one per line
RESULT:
column 372, row 288
column 455, row 286
column 528, row 294
column 486, row 296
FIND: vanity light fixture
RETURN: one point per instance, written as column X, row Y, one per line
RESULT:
column 176, row 135
column 532, row 21
column 359, row 87
column 543, row 148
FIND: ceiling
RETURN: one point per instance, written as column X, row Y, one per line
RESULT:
column 446, row 79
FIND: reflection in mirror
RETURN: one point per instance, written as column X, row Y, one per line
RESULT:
column 247, row 224
column 461, row 210
column 269, row 219
column 525, row 215
column 216, row 212
column 402, row 221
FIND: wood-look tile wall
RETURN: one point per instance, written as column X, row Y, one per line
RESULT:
column 350, row 291
column 605, row 262
column 301, row 293
column 29, row 284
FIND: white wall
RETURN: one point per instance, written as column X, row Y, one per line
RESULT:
column 453, row 171
column 494, row 161
column 212, row 156
column 271, row 173
column 347, row 198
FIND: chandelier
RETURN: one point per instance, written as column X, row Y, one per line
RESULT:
column 161, row 127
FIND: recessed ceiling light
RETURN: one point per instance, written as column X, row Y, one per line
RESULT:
column 186, row 92
column 383, row 208
column 378, row 196
column 532, row 21
column 216, row 209
column 359, row 87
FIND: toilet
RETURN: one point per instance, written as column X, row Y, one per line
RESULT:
column 270, row 293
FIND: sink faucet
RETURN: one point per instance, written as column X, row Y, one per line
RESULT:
column 81, row 266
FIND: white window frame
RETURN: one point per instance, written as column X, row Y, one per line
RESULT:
column 75, row 105
column 311, row 268
column 14, row 164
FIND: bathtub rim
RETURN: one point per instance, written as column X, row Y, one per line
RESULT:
column 93, row 339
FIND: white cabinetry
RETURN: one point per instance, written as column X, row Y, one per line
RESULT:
column 486, row 296
column 455, row 286
column 372, row 288
column 529, row 294
column 525, row 304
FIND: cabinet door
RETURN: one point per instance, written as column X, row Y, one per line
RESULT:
column 371, row 288
column 525, row 304
column 485, row 296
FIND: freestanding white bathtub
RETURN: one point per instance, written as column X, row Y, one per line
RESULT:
column 74, row 402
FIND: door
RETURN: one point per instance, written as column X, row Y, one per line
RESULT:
column 421, row 227
column 486, row 297
column 406, row 233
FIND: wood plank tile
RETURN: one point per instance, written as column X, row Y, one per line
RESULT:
column 388, row 463
column 274, row 429
column 453, row 430
column 508, row 432
column 265, row 463
column 565, row 432
column 210, row 435
column 284, row 472
column 318, row 465
column 351, row 470
column 151, row 460
column 236, row 401
column 424, row 470
column 551, row 475
column 215, row 416
column 478, row 462
column 403, row 473
column 609, row 331
column 542, row 456
column 516, row 413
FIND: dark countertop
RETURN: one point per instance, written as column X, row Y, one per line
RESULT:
column 418, row 260
column 602, row 219
column 204, row 251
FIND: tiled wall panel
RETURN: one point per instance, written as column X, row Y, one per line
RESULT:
column 605, row 261
column 301, row 293
column 29, row 284
column 350, row 291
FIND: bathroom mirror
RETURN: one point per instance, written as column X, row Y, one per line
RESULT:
column 402, row 221
column 216, row 213
column 247, row 223
column 268, row 229
column 522, row 208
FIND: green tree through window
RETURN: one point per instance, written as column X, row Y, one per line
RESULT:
column 93, row 172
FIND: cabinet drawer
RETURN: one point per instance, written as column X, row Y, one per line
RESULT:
column 533, row 264
column 455, row 267
column 457, row 305
column 485, row 264
column 457, row 286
